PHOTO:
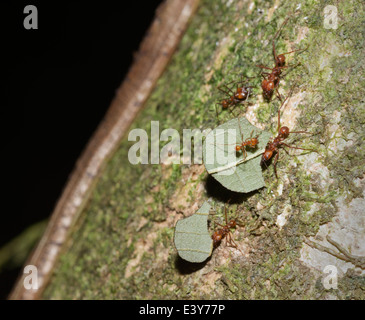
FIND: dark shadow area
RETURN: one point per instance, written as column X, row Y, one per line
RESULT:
column 185, row 267
column 217, row 191
column 59, row 81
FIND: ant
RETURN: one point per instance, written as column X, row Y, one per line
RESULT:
column 250, row 142
column 271, row 80
column 234, row 97
column 225, row 232
column 273, row 146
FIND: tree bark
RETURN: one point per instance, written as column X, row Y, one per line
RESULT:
column 301, row 237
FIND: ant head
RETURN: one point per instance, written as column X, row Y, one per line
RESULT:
column 225, row 104
column 280, row 60
column 238, row 147
column 284, row 132
column 232, row 223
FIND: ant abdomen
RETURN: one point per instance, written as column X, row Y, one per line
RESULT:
column 217, row 238
column 266, row 156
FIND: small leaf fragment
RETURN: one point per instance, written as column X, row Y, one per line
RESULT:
column 234, row 171
column 192, row 239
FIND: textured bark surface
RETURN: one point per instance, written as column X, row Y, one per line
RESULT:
column 310, row 218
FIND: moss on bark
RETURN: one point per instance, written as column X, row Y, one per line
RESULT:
column 123, row 247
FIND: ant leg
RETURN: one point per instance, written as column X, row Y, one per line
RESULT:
column 230, row 240
column 298, row 50
column 233, row 243
column 300, row 132
column 239, row 126
column 289, row 66
column 275, row 161
column 244, row 152
column 225, row 214
column 243, row 82
column 226, row 92
column 263, row 67
column 216, row 111
column 276, row 35
column 279, row 116
column 281, row 27
column 229, row 89
column 283, row 102
column 265, row 74
column 287, row 152
column 286, row 145
column 240, row 82
column 246, row 81
column 273, row 49
column 231, row 110
column 278, row 94
column 263, row 162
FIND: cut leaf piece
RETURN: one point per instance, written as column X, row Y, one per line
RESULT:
column 192, row 239
column 233, row 170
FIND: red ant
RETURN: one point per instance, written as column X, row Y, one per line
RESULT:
column 250, row 142
column 234, row 97
column 271, row 80
column 225, row 232
column 274, row 145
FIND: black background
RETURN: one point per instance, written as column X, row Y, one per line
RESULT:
column 57, row 83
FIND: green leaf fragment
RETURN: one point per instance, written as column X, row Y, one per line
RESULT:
column 234, row 171
column 192, row 239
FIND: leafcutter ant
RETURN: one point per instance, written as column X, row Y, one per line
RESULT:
column 240, row 95
column 271, row 80
column 273, row 147
column 225, row 232
column 251, row 142
column 242, row 146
